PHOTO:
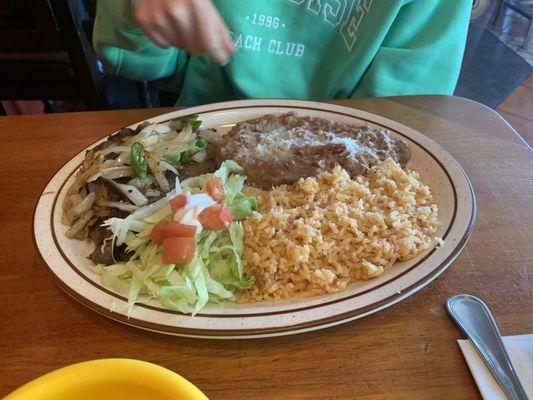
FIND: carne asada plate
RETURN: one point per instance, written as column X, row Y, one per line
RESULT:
column 253, row 218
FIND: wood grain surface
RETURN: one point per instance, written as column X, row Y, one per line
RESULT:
column 407, row 351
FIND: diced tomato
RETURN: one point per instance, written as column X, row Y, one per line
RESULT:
column 214, row 188
column 175, row 229
column 178, row 250
column 159, row 232
column 218, row 217
column 178, row 202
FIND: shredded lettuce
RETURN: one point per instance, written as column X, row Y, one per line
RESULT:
column 195, row 184
column 227, row 168
column 232, row 187
column 215, row 273
column 160, row 215
column 242, row 206
column 233, row 181
column 112, row 279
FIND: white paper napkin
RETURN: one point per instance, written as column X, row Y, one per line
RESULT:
column 520, row 349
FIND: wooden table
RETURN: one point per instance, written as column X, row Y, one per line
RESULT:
column 407, row 351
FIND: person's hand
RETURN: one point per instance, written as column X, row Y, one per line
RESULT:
column 191, row 25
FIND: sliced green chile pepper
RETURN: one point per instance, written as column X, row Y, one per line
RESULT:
column 175, row 157
column 139, row 162
column 201, row 144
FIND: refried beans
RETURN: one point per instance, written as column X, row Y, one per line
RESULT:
column 281, row 149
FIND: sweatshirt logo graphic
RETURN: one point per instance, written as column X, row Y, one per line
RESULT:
column 345, row 15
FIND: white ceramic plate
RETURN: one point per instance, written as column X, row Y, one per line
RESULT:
column 67, row 263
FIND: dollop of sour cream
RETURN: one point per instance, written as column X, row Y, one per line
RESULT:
column 196, row 203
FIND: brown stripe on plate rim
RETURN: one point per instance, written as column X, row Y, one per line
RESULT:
column 337, row 317
column 155, row 308
column 289, row 329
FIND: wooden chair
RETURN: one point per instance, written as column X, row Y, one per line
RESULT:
column 45, row 55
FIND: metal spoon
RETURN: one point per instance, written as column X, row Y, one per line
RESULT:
column 476, row 320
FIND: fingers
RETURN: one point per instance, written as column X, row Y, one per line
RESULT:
column 182, row 29
column 228, row 44
column 159, row 37
column 213, row 35
column 153, row 24
column 191, row 25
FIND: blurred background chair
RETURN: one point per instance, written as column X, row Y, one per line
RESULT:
column 45, row 55
column 522, row 7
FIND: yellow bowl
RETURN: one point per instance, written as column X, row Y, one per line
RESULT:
column 109, row 379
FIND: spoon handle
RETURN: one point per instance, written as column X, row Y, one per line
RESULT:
column 476, row 320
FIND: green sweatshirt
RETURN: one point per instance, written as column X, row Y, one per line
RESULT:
column 302, row 49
